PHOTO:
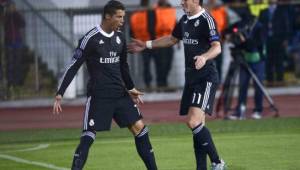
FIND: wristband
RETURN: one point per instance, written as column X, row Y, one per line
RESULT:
column 149, row 44
column 131, row 90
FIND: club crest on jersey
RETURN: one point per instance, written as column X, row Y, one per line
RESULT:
column 118, row 40
column 92, row 123
column 196, row 24
column 101, row 42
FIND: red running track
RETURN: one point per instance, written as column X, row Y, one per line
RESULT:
column 153, row 112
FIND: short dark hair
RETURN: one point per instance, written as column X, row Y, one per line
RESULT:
column 201, row 2
column 111, row 7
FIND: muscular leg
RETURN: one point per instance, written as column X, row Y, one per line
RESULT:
column 143, row 145
column 82, row 150
column 203, row 143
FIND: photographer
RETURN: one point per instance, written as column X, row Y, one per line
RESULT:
column 252, row 50
column 14, row 41
column 277, row 25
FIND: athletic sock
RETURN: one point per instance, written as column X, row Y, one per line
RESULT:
column 82, row 150
column 200, row 152
column 144, row 149
column 203, row 141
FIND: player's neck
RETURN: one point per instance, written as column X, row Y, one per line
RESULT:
column 196, row 11
column 106, row 27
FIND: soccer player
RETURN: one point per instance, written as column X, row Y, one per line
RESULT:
column 198, row 31
column 104, row 51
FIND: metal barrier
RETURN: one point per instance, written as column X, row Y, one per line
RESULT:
column 51, row 36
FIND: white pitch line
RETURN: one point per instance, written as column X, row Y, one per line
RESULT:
column 39, row 147
column 41, row 164
column 20, row 160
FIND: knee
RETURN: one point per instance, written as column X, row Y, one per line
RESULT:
column 191, row 123
column 137, row 127
column 195, row 117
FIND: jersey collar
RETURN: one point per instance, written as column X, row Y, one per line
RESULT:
column 196, row 15
column 105, row 33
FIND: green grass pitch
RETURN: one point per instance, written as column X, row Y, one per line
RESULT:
column 269, row 144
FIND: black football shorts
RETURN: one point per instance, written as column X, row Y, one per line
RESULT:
column 201, row 95
column 99, row 113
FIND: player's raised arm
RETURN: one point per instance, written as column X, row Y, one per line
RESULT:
column 137, row 45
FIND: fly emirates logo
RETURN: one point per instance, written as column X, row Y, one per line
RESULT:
column 112, row 59
column 189, row 41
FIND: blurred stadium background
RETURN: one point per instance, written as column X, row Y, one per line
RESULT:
column 51, row 33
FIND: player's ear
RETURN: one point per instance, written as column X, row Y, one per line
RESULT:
column 107, row 16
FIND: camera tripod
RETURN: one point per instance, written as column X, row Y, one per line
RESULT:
column 226, row 96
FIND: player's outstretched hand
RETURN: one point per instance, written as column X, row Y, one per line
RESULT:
column 57, row 104
column 200, row 62
column 136, row 46
column 136, row 96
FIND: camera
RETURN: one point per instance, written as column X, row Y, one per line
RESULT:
column 243, row 36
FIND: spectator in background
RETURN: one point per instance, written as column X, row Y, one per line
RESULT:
column 277, row 29
column 219, row 12
column 2, row 4
column 141, row 27
column 253, row 50
column 241, row 9
column 294, row 48
column 165, row 20
column 256, row 6
column 14, row 25
column 151, row 23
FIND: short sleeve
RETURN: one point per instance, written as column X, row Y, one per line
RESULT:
column 177, row 31
column 211, row 28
